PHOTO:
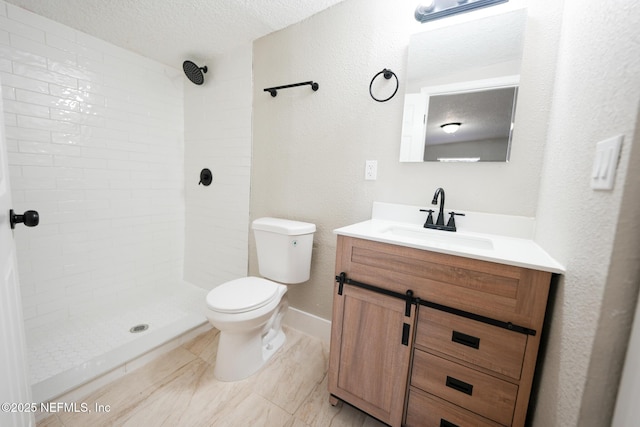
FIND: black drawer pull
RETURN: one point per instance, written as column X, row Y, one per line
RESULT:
column 405, row 333
column 464, row 339
column 445, row 423
column 458, row 385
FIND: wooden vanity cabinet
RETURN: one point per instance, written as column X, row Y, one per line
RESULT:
column 463, row 354
column 370, row 352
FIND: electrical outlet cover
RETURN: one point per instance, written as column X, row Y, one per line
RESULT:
column 371, row 170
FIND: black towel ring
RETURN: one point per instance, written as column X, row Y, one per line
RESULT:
column 387, row 75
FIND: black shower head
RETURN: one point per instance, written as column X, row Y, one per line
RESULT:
column 193, row 72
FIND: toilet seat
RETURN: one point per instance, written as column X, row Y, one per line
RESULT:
column 242, row 295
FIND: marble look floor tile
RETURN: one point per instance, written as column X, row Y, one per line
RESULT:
column 168, row 405
column 51, row 421
column 179, row 389
column 293, row 372
column 128, row 391
column 212, row 400
column 205, row 346
column 316, row 411
column 254, row 410
column 296, row 423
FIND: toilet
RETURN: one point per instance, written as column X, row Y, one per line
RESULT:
column 248, row 312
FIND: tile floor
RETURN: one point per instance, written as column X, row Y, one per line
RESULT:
column 178, row 389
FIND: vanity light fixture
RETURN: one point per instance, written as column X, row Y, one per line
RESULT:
column 451, row 127
column 436, row 9
column 427, row 6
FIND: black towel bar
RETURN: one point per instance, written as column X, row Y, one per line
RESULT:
column 274, row 90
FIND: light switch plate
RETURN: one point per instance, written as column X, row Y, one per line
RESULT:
column 605, row 163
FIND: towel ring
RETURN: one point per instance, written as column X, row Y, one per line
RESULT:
column 387, row 75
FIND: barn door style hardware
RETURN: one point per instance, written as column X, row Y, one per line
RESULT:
column 342, row 280
column 410, row 299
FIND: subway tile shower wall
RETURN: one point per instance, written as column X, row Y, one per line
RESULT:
column 95, row 136
column 218, row 137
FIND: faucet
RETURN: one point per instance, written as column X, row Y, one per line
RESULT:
column 439, row 225
column 439, row 192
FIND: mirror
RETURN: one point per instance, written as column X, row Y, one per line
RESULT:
column 466, row 73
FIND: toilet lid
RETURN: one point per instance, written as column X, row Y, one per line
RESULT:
column 241, row 295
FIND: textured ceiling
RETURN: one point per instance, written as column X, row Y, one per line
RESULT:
column 171, row 31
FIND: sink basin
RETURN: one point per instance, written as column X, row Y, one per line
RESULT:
column 488, row 237
column 436, row 237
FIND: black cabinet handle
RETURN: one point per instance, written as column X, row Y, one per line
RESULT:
column 458, row 385
column 405, row 333
column 464, row 339
column 445, row 423
column 29, row 218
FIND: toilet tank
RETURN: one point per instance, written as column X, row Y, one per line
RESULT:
column 284, row 249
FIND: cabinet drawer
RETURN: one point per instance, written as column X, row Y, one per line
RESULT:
column 425, row 410
column 480, row 393
column 491, row 347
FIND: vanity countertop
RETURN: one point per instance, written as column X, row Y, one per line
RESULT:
column 505, row 249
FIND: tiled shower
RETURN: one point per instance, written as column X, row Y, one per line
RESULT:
column 96, row 140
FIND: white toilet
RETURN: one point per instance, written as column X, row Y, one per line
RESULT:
column 249, row 311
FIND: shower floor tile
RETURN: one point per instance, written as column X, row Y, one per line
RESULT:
column 64, row 345
column 178, row 389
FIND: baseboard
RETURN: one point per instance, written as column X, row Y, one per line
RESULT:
column 308, row 323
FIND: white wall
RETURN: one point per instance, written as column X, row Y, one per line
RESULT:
column 627, row 411
column 578, row 86
column 595, row 234
column 310, row 147
column 218, row 137
column 95, row 139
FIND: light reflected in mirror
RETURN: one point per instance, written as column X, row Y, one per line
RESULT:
column 465, row 73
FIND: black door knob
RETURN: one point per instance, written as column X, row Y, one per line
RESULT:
column 29, row 218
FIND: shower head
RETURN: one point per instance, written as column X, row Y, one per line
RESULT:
column 193, row 72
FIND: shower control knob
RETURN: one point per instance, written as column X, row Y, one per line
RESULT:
column 29, row 218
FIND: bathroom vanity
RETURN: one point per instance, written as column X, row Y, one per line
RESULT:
column 436, row 329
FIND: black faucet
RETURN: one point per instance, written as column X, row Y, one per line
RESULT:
column 439, row 192
column 439, row 225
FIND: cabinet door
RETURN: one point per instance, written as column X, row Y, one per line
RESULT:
column 370, row 351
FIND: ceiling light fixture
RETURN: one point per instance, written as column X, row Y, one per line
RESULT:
column 451, row 127
column 436, row 9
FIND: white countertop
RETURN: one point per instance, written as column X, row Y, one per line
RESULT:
column 504, row 249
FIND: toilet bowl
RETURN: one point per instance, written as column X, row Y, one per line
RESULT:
column 248, row 312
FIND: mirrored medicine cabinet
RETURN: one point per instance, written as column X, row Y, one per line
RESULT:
column 461, row 90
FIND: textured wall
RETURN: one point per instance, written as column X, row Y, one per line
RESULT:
column 218, row 137
column 595, row 234
column 310, row 147
column 578, row 86
column 95, row 141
